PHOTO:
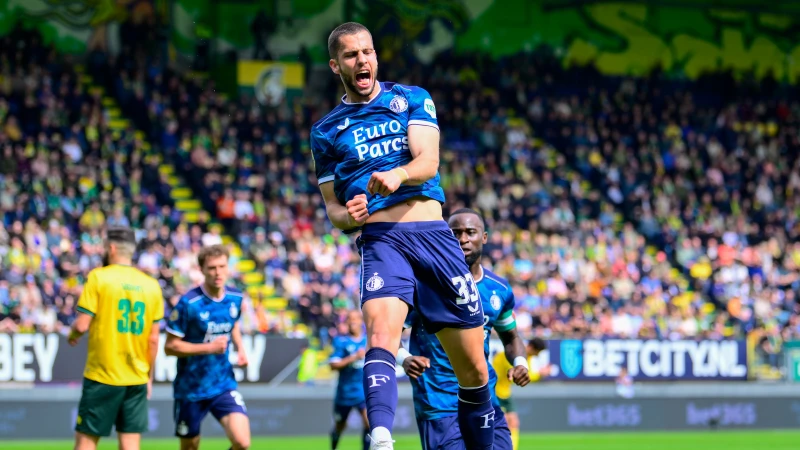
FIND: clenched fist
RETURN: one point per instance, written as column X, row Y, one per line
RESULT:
column 357, row 208
column 519, row 375
column 415, row 366
column 385, row 183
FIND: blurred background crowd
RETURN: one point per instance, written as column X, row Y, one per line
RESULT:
column 616, row 207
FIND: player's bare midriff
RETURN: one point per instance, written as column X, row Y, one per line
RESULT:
column 414, row 209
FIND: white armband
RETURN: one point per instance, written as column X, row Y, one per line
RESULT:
column 521, row 361
column 402, row 354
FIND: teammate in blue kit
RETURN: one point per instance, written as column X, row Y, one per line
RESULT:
column 377, row 158
column 197, row 333
column 348, row 359
column 433, row 380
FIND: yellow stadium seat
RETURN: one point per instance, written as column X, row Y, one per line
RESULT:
column 86, row 79
column 236, row 251
column 253, row 278
column 113, row 112
column 174, row 181
column 188, row 205
column 191, row 216
column 246, row 265
column 166, row 169
column 227, row 240
column 180, row 193
column 276, row 304
column 118, row 124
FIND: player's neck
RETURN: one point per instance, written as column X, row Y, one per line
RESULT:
column 352, row 97
column 120, row 261
column 356, row 335
column 477, row 270
column 213, row 291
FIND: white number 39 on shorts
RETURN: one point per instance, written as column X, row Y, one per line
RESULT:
column 237, row 397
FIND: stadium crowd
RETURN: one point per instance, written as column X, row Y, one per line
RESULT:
column 616, row 207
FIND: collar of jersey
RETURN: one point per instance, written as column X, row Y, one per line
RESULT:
column 483, row 275
column 380, row 90
column 224, row 293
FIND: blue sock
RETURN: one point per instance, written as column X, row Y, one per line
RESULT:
column 380, row 387
column 476, row 417
column 334, row 439
column 365, row 438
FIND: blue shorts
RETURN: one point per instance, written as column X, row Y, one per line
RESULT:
column 422, row 264
column 189, row 415
column 445, row 434
column 341, row 412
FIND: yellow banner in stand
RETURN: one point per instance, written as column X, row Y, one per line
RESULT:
column 249, row 73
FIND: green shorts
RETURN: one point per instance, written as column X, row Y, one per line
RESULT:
column 103, row 405
column 507, row 405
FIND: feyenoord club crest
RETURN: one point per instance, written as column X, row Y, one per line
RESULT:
column 374, row 283
column 398, row 104
column 234, row 310
column 495, row 300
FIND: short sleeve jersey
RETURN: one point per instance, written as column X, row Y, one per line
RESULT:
column 350, row 388
column 125, row 304
column 198, row 318
column 357, row 139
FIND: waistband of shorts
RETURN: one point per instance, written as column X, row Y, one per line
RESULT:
column 383, row 227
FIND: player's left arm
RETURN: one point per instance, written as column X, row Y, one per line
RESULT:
column 236, row 337
column 506, row 327
column 423, row 142
column 87, row 308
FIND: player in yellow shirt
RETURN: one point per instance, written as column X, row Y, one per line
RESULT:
column 120, row 307
column 503, row 388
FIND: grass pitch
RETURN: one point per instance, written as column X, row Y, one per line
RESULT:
column 700, row 440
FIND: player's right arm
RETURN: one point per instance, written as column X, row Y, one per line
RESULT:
column 344, row 217
column 414, row 366
column 338, row 359
column 176, row 331
column 87, row 308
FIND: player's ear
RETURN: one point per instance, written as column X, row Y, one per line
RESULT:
column 485, row 237
column 334, row 66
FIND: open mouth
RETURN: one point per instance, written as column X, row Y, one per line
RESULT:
column 363, row 79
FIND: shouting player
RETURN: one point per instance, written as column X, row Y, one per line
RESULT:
column 432, row 375
column 198, row 330
column 120, row 307
column 348, row 359
column 377, row 158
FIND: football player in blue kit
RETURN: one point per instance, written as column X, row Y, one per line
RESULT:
column 198, row 331
column 376, row 157
column 348, row 358
column 433, row 380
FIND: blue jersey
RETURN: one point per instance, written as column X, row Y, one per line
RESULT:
column 435, row 391
column 350, row 388
column 356, row 140
column 197, row 318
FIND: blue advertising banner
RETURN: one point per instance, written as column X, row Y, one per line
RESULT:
column 599, row 360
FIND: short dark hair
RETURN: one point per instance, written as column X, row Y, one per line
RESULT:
column 344, row 29
column 470, row 211
column 122, row 235
column 538, row 344
column 212, row 252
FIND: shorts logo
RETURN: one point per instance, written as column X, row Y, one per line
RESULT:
column 374, row 283
column 182, row 429
column 234, row 311
column 398, row 104
column 495, row 300
column 571, row 357
column 429, row 108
